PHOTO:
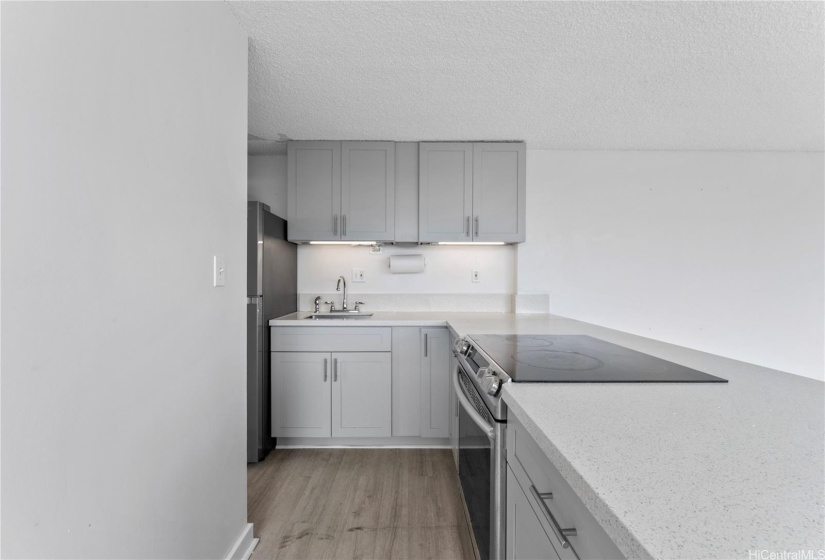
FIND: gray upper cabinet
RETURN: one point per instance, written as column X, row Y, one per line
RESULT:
column 472, row 192
column 367, row 191
column 341, row 191
column 406, row 192
column 445, row 191
column 313, row 191
column 499, row 189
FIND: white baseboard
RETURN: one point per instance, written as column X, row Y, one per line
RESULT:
column 244, row 546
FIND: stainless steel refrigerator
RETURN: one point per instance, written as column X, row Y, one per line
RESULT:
column 272, row 278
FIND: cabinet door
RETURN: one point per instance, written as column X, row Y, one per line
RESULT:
column 445, row 191
column 368, row 191
column 435, row 382
column 499, row 189
column 361, row 394
column 526, row 539
column 313, row 191
column 300, row 394
column 406, row 381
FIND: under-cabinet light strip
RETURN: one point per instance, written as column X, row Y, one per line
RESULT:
column 471, row 243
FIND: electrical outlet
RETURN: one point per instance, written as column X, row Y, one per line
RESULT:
column 475, row 276
column 358, row 275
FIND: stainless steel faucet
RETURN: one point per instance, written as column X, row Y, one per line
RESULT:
column 338, row 289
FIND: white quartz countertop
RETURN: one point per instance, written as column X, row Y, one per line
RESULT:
column 732, row 470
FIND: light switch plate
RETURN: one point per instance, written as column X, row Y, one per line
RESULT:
column 218, row 272
column 358, row 275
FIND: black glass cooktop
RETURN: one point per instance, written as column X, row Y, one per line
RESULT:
column 581, row 359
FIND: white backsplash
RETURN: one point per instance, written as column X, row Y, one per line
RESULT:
column 499, row 303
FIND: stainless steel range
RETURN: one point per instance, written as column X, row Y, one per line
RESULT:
column 487, row 362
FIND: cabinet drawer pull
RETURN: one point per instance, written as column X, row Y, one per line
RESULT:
column 325, row 370
column 476, row 226
column 467, row 228
column 335, row 224
column 548, row 515
column 335, row 369
column 425, row 344
column 344, row 225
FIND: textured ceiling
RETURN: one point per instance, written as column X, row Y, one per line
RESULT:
column 559, row 75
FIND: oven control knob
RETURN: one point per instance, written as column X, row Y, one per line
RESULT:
column 495, row 385
column 491, row 384
column 461, row 346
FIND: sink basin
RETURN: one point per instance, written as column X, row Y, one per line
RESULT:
column 341, row 315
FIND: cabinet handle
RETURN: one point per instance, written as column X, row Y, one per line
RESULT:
column 335, row 369
column 426, row 345
column 548, row 515
column 325, row 370
column 344, row 225
column 335, row 224
column 476, row 226
column 467, row 228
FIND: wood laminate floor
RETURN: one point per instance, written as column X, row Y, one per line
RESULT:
column 357, row 503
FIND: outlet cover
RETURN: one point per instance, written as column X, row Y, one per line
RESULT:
column 358, row 275
column 476, row 280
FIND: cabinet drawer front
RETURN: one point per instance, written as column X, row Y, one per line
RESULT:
column 331, row 339
column 532, row 467
column 527, row 539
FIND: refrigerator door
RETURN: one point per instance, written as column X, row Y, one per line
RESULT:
column 279, row 280
column 255, row 396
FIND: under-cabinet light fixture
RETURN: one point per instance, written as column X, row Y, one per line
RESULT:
column 343, row 242
column 471, row 242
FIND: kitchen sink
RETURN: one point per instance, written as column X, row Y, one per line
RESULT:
column 341, row 315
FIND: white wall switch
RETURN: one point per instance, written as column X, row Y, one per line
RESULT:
column 219, row 272
column 475, row 276
column 358, row 275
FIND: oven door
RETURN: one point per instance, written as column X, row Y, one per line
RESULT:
column 477, row 468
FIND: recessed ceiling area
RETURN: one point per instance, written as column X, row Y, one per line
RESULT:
column 558, row 75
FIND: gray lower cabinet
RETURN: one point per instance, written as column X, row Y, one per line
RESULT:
column 356, row 382
column 301, row 386
column 526, row 538
column 361, row 394
column 338, row 394
column 542, row 502
column 340, row 191
column 420, row 382
column 435, row 382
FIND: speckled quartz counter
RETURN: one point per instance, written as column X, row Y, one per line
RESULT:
column 732, row 470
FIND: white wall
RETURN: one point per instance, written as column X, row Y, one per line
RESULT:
column 717, row 251
column 266, row 181
column 123, row 369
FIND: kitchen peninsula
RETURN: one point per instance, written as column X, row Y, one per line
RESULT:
column 669, row 470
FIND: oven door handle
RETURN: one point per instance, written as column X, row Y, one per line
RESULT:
column 470, row 409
